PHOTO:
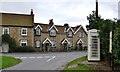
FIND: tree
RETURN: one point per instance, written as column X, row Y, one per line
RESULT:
column 93, row 21
column 105, row 27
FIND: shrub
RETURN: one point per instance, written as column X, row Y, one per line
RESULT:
column 24, row 49
column 12, row 45
column 116, row 46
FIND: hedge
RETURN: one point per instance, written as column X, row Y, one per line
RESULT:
column 24, row 49
column 116, row 46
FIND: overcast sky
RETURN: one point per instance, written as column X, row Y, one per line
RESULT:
column 73, row 12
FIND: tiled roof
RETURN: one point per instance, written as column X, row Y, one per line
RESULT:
column 10, row 19
column 60, row 28
column 45, row 27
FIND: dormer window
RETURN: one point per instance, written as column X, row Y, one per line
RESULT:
column 70, row 34
column 53, row 32
column 81, row 34
column 38, row 31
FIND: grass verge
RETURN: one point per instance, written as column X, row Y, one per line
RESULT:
column 6, row 61
column 77, row 60
column 79, row 67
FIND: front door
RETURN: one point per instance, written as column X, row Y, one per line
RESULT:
column 47, row 47
column 65, row 47
column 80, row 46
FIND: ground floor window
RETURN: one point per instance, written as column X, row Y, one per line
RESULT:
column 23, row 43
column 53, row 44
column 38, row 44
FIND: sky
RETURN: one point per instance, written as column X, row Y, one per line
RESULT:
column 73, row 12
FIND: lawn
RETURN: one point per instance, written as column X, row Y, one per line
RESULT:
column 79, row 67
column 6, row 61
column 77, row 60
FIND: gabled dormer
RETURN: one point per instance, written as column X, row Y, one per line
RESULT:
column 80, row 31
column 38, row 30
column 52, row 29
column 70, row 32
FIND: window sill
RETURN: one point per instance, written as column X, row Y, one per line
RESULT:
column 37, row 35
column 52, row 36
column 70, row 36
column 23, row 35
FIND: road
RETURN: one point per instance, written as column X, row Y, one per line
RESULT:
column 43, row 61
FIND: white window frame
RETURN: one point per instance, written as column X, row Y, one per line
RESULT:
column 39, row 31
column 37, row 45
column 6, row 29
column 53, row 44
column 53, row 33
column 81, row 34
column 23, row 41
column 22, row 31
column 70, row 35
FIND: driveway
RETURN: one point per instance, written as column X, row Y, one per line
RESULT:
column 43, row 61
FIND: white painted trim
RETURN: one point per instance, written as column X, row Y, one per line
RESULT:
column 52, row 27
column 23, row 41
column 4, row 29
column 69, row 29
column 77, row 29
column 79, row 41
column 46, row 40
column 38, row 26
column 23, row 29
column 65, row 40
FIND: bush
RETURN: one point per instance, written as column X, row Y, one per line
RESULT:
column 12, row 45
column 24, row 49
column 116, row 46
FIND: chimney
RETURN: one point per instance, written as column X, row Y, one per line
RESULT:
column 51, row 22
column 31, row 12
column 96, row 8
column 66, row 25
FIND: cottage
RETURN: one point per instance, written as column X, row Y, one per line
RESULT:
column 42, row 37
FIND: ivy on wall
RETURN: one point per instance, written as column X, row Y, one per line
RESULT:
column 12, row 45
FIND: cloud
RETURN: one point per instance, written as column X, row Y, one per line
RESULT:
column 73, row 12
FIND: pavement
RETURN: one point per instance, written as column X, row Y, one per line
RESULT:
column 43, row 61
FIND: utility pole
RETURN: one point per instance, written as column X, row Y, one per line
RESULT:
column 96, row 8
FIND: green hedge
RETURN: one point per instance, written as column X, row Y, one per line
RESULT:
column 116, row 46
column 24, row 49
